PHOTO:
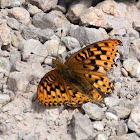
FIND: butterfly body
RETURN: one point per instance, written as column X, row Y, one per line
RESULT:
column 82, row 78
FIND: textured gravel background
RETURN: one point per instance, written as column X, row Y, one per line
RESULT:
column 32, row 32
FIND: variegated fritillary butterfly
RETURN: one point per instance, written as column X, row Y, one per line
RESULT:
column 82, row 78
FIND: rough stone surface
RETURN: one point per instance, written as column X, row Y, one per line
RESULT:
column 13, row 23
column 5, row 34
column 88, row 36
column 45, row 5
column 132, row 66
column 21, row 14
column 70, row 42
column 44, row 21
column 134, row 120
column 75, row 128
column 11, row 3
column 93, row 111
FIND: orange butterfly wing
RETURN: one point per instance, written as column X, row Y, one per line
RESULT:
column 53, row 91
column 90, row 64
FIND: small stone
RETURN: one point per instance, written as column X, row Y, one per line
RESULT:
column 134, row 120
column 14, row 57
column 4, row 65
column 132, row 66
column 18, row 118
column 101, row 136
column 111, row 101
column 122, row 112
column 45, row 35
column 10, row 3
column 34, row 51
column 4, row 99
column 136, row 48
column 124, row 72
column 98, row 126
column 18, row 81
column 45, row 5
column 93, row 111
column 60, row 8
column 62, row 32
column 21, row 14
column 111, row 116
column 87, row 36
column 133, row 34
column 32, row 9
column 121, row 129
column 124, row 92
column 13, row 23
column 43, row 21
column 48, row 61
column 136, row 25
column 76, row 10
column 52, row 47
column 30, row 32
column 70, row 42
column 80, row 127
column 5, row 34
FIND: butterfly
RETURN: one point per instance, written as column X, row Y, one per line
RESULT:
column 82, row 78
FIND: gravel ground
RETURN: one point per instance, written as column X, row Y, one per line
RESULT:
column 32, row 33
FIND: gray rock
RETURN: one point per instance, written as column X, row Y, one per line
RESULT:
column 30, row 32
column 62, row 32
column 132, row 66
column 52, row 47
column 135, row 47
column 98, row 125
column 44, row 21
column 60, row 8
column 70, row 42
column 131, row 136
column 45, row 35
column 34, row 49
column 5, row 34
column 111, row 116
column 133, row 34
column 5, row 65
column 32, row 9
column 21, row 14
column 124, row 72
column 80, row 127
column 124, row 92
column 14, row 57
column 13, row 23
column 93, row 111
column 136, row 25
column 11, row 3
column 87, row 36
column 76, row 9
column 121, row 129
column 103, row 16
column 45, row 5
column 122, row 112
column 18, row 81
column 101, row 136
column 111, row 101
column 134, row 120
column 4, row 99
